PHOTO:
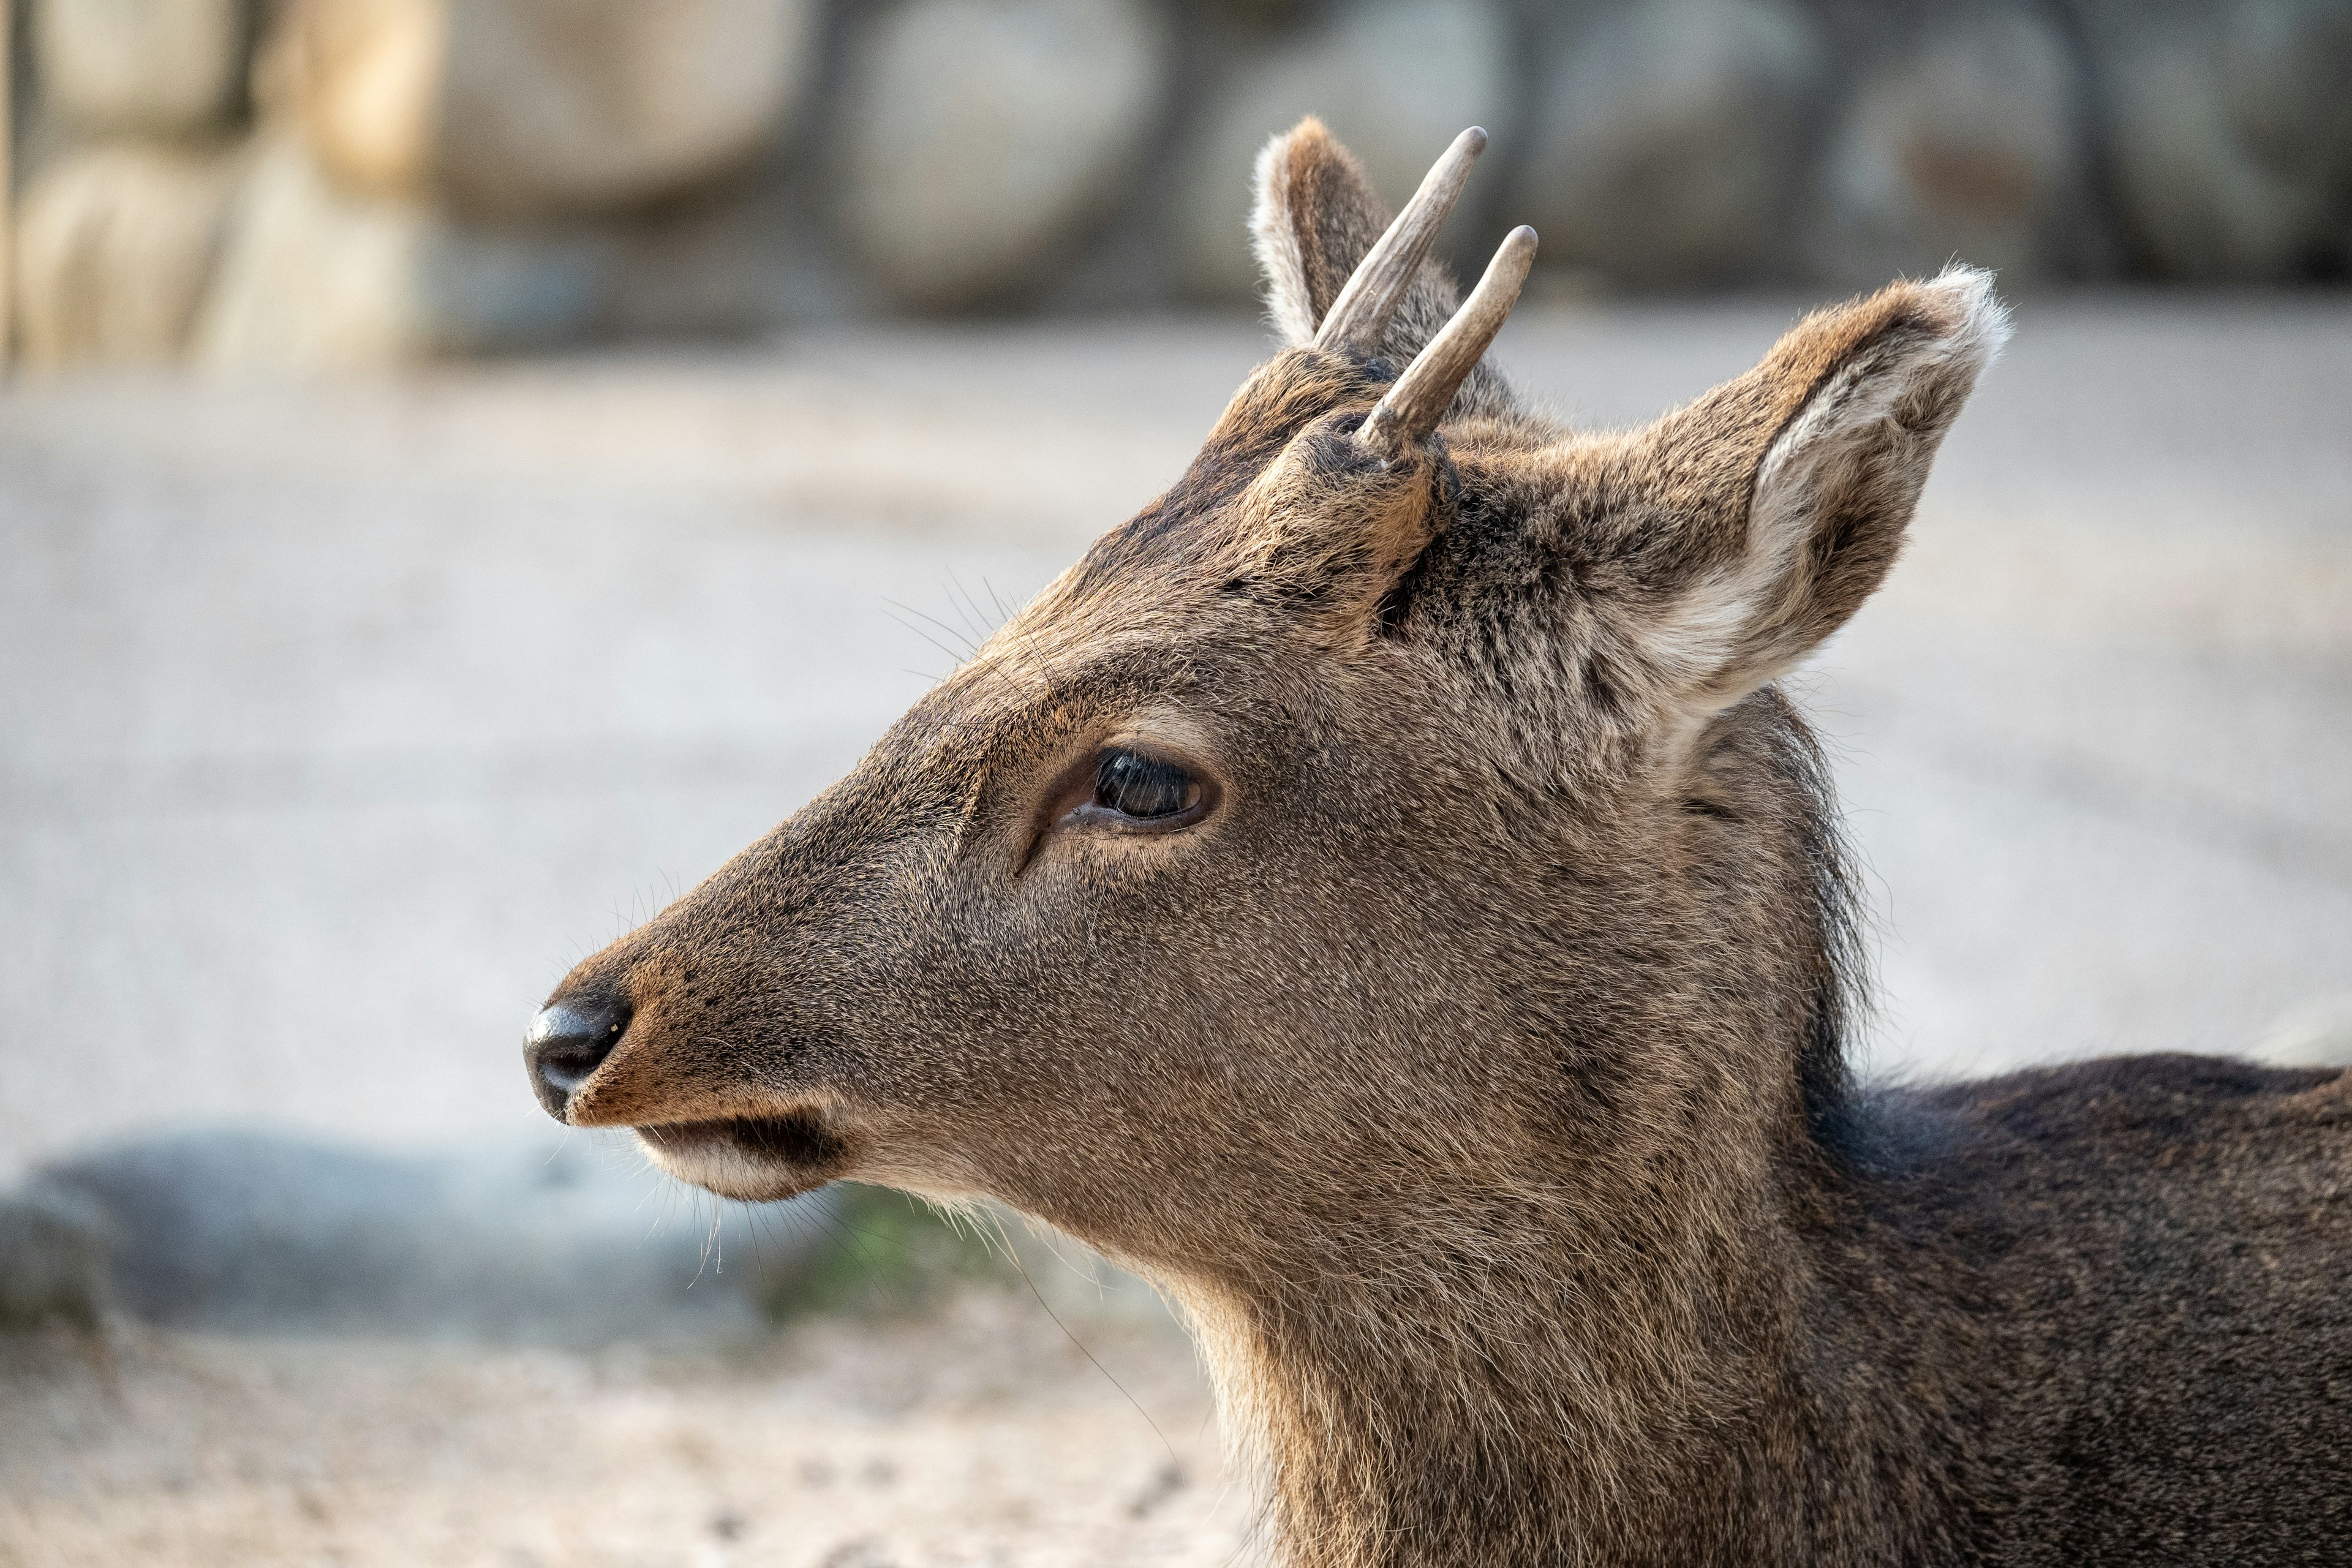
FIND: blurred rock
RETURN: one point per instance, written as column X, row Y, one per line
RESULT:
column 313, row 277
column 53, row 1248
column 2229, row 126
column 549, row 1239
column 1669, row 141
column 528, row 109
column 1395, row 80
column 978, row 136
column 114, row 248
column 1268, row 12
column 362, row 81
column 744, row 261
column 1967, row 143
column 157, row 68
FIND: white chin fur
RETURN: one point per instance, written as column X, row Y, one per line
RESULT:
column 726, row 1170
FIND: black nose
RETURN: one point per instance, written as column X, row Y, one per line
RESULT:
column 568, row 1041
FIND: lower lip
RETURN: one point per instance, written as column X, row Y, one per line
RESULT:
column 799, row 1139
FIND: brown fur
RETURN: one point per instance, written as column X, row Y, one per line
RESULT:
column 1473, row 1072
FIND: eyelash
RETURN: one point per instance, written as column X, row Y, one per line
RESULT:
column 1143, row 788
column 1129, row 790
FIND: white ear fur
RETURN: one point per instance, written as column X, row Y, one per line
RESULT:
column 1866, row 436
column 1858, row 414
column 1274, row 235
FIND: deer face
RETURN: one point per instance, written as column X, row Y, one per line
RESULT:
column 1376, row 808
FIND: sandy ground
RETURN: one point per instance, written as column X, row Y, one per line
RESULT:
column 337, row 722
column 984, row 1437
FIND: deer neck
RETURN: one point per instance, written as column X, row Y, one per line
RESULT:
column 1500, row 1392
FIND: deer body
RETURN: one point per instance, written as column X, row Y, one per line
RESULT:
column 1379, row 894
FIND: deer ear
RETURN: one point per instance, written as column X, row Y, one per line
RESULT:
column 1789, row 489
column 1316, row 216
column 1315, row 219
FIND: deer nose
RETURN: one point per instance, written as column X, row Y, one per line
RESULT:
column 568, row 1041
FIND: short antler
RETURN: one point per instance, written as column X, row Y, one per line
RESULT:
column 1420, row 397
column 1361, row 314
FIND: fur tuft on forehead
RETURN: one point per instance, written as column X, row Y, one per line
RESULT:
column 1181, row 526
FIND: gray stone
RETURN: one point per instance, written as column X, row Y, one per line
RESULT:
column 313, row 277
column 114, row 248
column 528, row 109
column 53, row 1248
column 747, row 261
column 1395, row 80
column 163, row 67
column 1268, row 12
column 978, row 137
column 542, row 1239
column 1669, row 141
column 1966, row 143
column 2229, row 126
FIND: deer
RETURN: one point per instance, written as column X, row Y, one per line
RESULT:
column 1381, row 895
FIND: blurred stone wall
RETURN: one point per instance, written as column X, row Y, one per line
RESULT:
column 292, row 183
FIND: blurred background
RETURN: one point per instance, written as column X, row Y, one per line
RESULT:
column 289, row 183
column 467, row 466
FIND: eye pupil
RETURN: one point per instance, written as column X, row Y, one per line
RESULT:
column 1136, row 785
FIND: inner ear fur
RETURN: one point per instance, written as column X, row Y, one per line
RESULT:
column 1780, row 498
column 1316, row 218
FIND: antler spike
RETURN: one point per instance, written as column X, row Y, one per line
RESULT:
column 1419, row 399
column 1361, row 314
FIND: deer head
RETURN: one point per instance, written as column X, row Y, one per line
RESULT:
column 1379, row 868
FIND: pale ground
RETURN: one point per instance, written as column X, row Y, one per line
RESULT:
column 335, row 723
column 983, row 1437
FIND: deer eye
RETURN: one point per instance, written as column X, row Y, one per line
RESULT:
column 1122, row 790
column 1145, row 789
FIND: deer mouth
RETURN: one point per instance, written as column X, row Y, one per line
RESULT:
column 759, row 1159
